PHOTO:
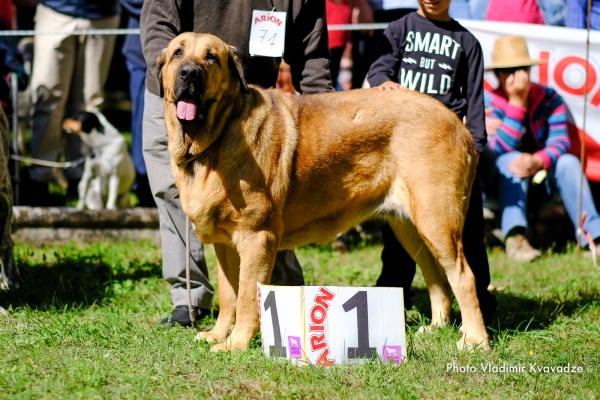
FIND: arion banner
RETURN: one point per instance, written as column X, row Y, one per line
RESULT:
column 565, row 51
column 329, row 325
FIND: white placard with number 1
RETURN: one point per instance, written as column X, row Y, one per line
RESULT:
column 328, row 325
column 267, row 33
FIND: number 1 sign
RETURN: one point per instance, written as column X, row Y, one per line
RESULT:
column 328, row 325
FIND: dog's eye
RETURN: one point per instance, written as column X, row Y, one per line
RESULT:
column 211, row 57
column 178, row 52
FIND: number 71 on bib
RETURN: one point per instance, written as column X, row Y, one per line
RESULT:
column 267, row 33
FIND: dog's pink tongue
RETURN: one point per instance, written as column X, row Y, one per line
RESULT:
column 186, row 110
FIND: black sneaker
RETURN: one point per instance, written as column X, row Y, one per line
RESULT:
column 488, row 310
column 181, row 316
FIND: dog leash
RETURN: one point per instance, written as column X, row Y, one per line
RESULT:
column 187, row 272
column 581, row 217
column 588, row 238
column 45, row 163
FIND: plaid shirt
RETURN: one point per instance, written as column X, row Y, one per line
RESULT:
column 545, row 120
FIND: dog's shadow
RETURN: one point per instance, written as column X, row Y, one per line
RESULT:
column 72, row 281
column 518, row 313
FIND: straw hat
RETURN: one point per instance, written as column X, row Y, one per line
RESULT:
column 511, row 52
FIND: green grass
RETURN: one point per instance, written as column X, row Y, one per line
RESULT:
column 86, row 325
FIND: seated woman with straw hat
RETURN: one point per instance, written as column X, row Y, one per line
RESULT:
column 528, row 140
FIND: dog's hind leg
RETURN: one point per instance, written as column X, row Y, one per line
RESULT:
column 228, row 270
column 257, row 255
column 437, row 283
column 462, row 281
column 439, row 221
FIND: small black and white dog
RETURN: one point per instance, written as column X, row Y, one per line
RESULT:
column 108, row 173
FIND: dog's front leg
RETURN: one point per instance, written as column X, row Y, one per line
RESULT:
column 84, row 183
column 113, row 188
column 228, row 270
column 257, row 252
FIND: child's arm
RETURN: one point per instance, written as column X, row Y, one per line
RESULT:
column 474, row 95
column 384, row 69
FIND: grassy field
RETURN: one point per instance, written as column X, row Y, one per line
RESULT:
column 86, row 325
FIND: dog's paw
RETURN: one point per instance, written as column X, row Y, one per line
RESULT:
column 213, row 336
column 228, row 346
column 471, row 344
column 220, row 347
column 209, row 337
column 426, row 329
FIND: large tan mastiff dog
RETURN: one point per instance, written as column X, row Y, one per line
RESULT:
column 259, row 171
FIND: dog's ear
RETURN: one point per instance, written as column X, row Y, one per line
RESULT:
column 89, row 121
column 160, row 63
column 235, row 64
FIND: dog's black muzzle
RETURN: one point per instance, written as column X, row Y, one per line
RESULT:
column 189, row 83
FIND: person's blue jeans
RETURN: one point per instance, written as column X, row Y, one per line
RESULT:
column 137, row 87
column 563, row 176
column 576, row 14
column 469, row 9
column 553, row 11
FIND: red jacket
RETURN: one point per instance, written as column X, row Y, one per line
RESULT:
column 338, row 13
column 6, row 14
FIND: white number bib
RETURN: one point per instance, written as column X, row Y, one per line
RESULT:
column 267, row 33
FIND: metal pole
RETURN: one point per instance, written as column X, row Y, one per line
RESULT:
column 582, row 153
column 187, row 271
column 14, row 86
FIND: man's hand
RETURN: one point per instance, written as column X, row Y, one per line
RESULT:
column 526, row 165
column 517, row 88
column 390, row 85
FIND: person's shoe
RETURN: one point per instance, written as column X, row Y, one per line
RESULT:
column 519, row 249
column 180, row 316
column 588, row 252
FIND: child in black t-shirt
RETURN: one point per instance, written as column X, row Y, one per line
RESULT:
column 430, row 52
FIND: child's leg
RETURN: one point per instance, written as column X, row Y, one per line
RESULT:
column 474, row 248
column 398, row 268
